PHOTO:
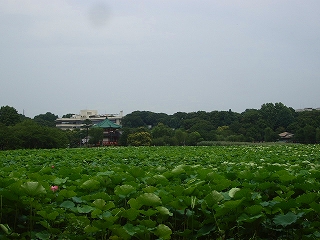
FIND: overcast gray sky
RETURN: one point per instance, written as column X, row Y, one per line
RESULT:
column 165, row 56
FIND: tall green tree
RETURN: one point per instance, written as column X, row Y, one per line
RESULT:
column 9, row 116
column 139, row 139
column 309, row 134
column 193, row 138
column 163, row 135
column 75, row 137
column 277, row 115
column 162, row 130
column 270, row 135
column 47, row 119
column 96, row 136
column 29, row 134
column 181, row 137
column 204, row 127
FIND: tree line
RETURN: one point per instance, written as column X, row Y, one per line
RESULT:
column 149, row 128
column 252, row 125
column 20, row 132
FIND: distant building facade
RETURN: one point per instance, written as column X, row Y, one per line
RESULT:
column 77, row 120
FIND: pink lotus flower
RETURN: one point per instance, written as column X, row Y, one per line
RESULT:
column 54, row 188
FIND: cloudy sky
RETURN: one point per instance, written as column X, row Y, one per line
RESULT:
column 166, row 56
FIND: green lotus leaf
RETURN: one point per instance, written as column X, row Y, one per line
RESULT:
column 317, row 234
column 134, row 203
column 189, row 190
column 6, row 228
column 106, row 173
column 285, row 220
column 160, row 179
column 307, row 198
column 124, row 190
column 315, row 206
column 178, row 170
column 67, row 204
column 33, row 188
column 269, row 204
column 254, row 209
column 106, row 215
column 150, row 189
column 91, row 229
column 287, row 205
column 67, row 193
column 150, row 212
column 90, row 184
column 285, row 176
column 130, row 229
column 233, row 191
column 245, row 193
column 232, row 204
column 164, row 211
column 100, row 224
column 109, row 205
column 245, row 218
column 223, row 184
column 96, row 213
column 131, row 214
column 177, row 204
column 205, row 230
column 163, row 231
column 149, row 199
column 77, row 199
column 43, row 235
column 85, row 209
column 52, row 215
column 99, row 203
column 136, row 172
column 59, row 181
column 213, row 198
column 101, row 195
column 148, row 223
column 265, row 185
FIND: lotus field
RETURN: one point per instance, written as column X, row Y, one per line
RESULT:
column 218, row 192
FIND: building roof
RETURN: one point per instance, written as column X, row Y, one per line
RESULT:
column 107, row 124
column 286, row 135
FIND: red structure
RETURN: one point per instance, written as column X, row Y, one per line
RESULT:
column 111, row 133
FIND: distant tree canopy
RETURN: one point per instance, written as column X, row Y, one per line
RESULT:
column 143, row 119
column 47, row 119
column 257, row 125
column 29, row 134
column 9, row 116
column 18, row 131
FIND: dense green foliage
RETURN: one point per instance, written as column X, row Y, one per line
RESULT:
column 9, row 116
column 29, row 134
column 139, row 139
column 235, row 192
column 252, row 125
column 47, row 119
column 18, row 131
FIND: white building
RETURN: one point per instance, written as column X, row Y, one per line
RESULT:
column 77, row 120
